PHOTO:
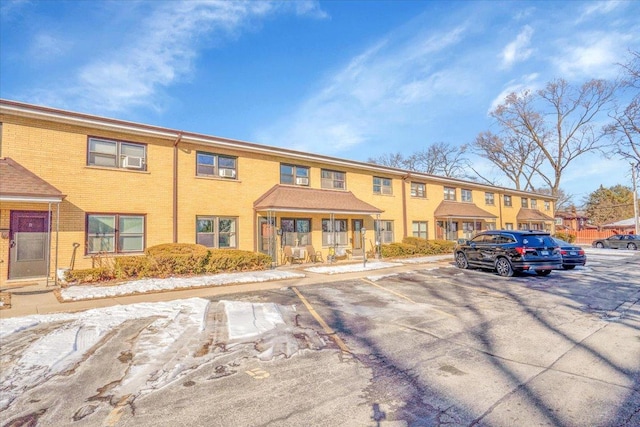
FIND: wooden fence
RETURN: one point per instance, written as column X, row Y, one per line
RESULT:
column 585, row 237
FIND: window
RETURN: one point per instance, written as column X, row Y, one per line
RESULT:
column 382, row 186
column 508, row 225
column 466, row 195
column 216, row 232
column 534, row 204
column 117, row 154
column 296, row 231
column 547, row 205
column 525, row 202
column 507, row 202
column 489, row 199
column 418, row 189
column 214, row 165
column 115, row 233
column 420, row 229
column 384, row 231
column 334, row 233
column 294, row 175
column 450, row 193
column 333, row 179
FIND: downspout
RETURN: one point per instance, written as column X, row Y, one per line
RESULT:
column 175, row 187
column 404, row 204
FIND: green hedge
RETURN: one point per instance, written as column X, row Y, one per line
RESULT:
column 412, row 246
column 173, row 259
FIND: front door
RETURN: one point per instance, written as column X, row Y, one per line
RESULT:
column 29, row 244
column 356, row 236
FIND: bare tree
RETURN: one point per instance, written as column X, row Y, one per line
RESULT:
column 516, row 156
column 625, row 128
column 560, row 123
column 441, row 159
column 392, row 160
column 564, row 200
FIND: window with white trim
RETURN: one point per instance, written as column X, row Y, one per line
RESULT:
column 294, row 175
column 382, row 185
column 466, row 195
column 507, row 201
column 333, row 180
column 384, row 231
column 115, row 233
column 216, row 165
column 116, row 154
column 450, row 194
column 420, row 229
column 547, row 205
column 525, row 203
column 217, row 232
column 296, row 231
column 534, row 204
column 489, row 199
column 334, row 233
column 418, row 189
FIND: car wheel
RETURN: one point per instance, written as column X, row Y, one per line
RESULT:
column 632, row 246
column 599, row 245
column 461, row 260
column 568, row 267
column 543, row 272
column 503, row 267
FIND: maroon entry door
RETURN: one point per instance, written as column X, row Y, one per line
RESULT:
column 29, row 244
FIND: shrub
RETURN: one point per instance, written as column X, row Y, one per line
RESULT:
column 411, row 246
column 134, row 266
column 566, row 237
column 236, row 260
column 89, row 275
column 178, row 258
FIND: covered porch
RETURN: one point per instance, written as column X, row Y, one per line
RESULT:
column 461, row 220
column 533, row 219
column 29, row 225
column 313, row 224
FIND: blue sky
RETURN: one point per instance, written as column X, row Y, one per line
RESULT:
column 351, row 79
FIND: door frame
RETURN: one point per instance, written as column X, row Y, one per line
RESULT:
column 14, row 215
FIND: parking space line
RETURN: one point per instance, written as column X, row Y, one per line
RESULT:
column 404, row 297
column 324, row 324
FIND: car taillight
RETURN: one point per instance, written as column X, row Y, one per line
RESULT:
column 563, row 252
column 520, row 250
column 581, row 252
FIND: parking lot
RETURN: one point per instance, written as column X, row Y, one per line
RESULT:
column 426, row 346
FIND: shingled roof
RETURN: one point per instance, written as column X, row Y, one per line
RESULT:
column 461, row 210
column 301, row 199
column 18, row 183
column 532, row 215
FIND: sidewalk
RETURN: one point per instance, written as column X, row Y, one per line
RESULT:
column 40, row 299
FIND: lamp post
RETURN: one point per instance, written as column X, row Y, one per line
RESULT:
column 364, row 247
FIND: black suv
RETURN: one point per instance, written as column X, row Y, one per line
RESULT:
column 509, row 251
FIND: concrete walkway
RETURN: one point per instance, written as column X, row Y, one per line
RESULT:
column 37, row 298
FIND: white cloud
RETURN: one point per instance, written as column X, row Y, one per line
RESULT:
column 597, row 8
column 518, row 50
column 378, row 87
column 528, row 81
column 593, row 56
column 160, row 52
column 46, row 47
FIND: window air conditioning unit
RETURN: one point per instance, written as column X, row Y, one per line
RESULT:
column 227, row 173
column 302, row 181
column 132, row 162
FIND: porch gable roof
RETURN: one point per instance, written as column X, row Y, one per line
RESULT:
column 526, row 214
column 285, row 198
column 21, row 185
column 448, row 209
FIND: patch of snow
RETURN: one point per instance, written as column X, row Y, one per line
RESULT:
column 352, row 268
column 82, row 292
column 425, row 259
column 249, row 320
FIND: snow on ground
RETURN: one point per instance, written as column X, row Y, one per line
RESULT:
column 352, row 268
column 166, row 349
column 425, row 259
column 81, row 292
